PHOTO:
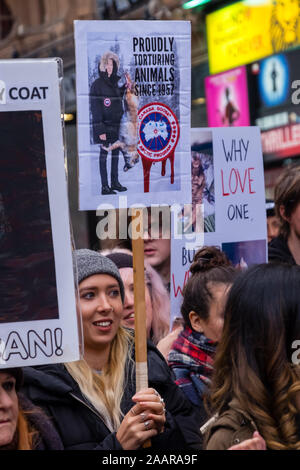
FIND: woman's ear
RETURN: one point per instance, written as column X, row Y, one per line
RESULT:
column 282, row 213
column 196, row 321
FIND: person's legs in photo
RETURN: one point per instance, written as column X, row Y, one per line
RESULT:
column 103, row 172
column 115, row 184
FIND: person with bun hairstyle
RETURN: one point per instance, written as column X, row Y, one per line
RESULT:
column 256, row 380
column 192, row 355
column 93, row 402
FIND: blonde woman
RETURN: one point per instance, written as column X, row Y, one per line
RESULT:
column 93, row 402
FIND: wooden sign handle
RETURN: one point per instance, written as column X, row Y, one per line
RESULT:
column 140, row 317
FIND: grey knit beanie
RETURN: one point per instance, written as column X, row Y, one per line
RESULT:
column 91, row 262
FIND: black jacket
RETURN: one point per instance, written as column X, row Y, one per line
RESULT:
column 106, row 107
column 279, row 251
column 80, row 427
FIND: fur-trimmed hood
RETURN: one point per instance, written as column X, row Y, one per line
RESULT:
column 104, row 60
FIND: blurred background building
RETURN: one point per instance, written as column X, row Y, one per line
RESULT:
column 244, row 68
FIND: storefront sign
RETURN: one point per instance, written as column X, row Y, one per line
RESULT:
column 250, row 30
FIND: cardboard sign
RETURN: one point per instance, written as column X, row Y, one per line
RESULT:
column 228, row 188
column 38, row 321
column 133, row 103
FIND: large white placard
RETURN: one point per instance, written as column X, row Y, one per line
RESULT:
column 228, row 185
column 133, row 111
column 38, row 320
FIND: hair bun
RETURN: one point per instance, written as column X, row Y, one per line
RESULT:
column 209, row 257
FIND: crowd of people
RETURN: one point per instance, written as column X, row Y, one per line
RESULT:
column 226, row 377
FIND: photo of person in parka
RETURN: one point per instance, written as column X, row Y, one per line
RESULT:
column 106, row 101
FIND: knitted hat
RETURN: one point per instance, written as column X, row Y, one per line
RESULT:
column 121, row 260
column 91, row 262
column 17, row 373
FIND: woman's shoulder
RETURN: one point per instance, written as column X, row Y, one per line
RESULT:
column 47, row 380
column 229, row 428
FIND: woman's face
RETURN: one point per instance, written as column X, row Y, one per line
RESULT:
column 101, row 307
column 109, row 67
column 9, row 408
column 128, row 307
column 212, row 328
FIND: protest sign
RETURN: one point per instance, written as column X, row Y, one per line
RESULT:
column 38, row 321
column 133, row 112
column 228, row 187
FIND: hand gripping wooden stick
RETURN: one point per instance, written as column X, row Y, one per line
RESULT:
column 140, row 317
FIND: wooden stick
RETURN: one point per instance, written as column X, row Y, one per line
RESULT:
column 140, row 317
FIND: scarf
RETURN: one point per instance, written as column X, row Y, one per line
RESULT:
column 191, row 360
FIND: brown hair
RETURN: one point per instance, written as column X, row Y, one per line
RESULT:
column 26, row 434
column 210, row 265
column 253, row 363
column 287, row 194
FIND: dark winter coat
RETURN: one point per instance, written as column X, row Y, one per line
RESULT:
column 81, row 427
column 106, row 101
column 279, row 251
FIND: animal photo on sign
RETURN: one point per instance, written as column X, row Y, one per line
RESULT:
column 203, row 182
column 27, row 270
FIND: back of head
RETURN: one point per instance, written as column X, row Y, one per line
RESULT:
column 287, row 195
column 210, row 265
column 253, row 361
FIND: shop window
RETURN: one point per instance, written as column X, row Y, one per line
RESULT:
column 6, row 20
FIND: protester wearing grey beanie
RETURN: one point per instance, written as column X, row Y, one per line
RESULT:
column 91, row 262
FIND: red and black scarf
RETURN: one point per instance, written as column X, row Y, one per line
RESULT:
column 191, row 359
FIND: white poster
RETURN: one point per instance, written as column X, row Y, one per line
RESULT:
column 228, row 196
column 133, row 112
column 38, row 321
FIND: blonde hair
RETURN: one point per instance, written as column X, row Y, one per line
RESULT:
column 160, row 300
column 104, row 391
